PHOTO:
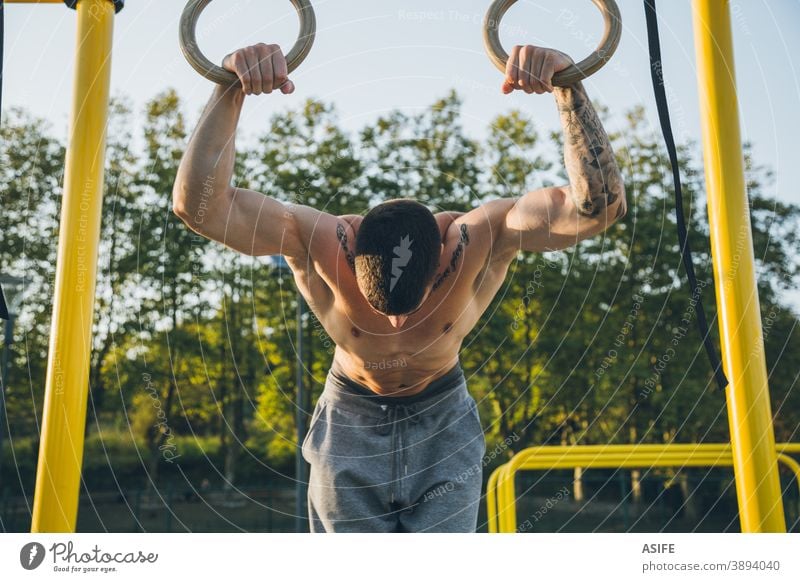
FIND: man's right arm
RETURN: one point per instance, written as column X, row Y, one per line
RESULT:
column 203, row 197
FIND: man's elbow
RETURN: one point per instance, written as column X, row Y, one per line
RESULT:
column 621, row 211
column 180, row 200
column 618, row 209
column 192, row 202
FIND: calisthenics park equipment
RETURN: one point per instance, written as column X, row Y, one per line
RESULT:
column 743, row 371
column 501, row 497
column 752, row 447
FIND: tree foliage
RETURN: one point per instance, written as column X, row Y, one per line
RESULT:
column 192, row 341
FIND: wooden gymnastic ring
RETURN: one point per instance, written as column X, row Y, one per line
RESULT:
column 572, row 74
column 193, row 54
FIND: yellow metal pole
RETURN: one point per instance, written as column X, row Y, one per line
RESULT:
column 55, row 504
column 749, row 414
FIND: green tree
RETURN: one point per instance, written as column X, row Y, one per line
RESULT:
column 170, row 255
column 425, row 156
column 31, row 167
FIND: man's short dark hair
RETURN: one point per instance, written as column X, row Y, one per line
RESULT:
column 397, row 254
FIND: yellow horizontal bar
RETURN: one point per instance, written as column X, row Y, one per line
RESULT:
column 500, row 486
column 551, row 461
column 613, row 462
column 618, row 448
column 718, row 456
column 505, row 477
column 596, row 457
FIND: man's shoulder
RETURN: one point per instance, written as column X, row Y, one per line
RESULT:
column 351, row 218
column 350, row 222
column 446, row 220
column 480, row 224
column 477, row 232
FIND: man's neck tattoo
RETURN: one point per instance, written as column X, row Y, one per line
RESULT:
column 341, row 234
column 462, row 242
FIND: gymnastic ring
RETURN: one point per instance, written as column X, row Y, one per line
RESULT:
column 572, row 74
column 212, row 72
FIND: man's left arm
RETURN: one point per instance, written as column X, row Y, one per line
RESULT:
column 559, row 217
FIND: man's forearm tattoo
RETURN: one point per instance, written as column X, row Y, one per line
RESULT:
column 341, row 234
column 595, row 180
column 462, row 242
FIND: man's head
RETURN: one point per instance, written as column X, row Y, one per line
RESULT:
column 397, row 253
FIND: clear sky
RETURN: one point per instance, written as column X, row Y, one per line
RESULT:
column 371, row 56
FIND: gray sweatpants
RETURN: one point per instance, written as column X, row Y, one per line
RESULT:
column 394, row 464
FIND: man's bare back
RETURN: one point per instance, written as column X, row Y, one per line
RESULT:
column 399, row 354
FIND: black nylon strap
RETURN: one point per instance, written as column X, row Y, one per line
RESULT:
column 2, row 42
column 657, row 75
column 3, row 308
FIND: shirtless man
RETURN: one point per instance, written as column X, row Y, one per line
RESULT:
column 395, row 443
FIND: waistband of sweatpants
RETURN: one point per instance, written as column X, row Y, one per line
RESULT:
column 343, row 392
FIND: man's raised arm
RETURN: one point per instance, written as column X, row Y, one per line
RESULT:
column 559, row 217
column 203, row 196
column 595, row 182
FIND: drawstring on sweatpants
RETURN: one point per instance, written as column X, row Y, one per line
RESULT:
column 393, row 415
column 394, row 412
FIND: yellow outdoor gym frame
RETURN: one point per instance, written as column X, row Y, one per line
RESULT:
column 755, row 461
column 58, row 473
column 500, row 489
column 749, row 411
column 66, row 389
